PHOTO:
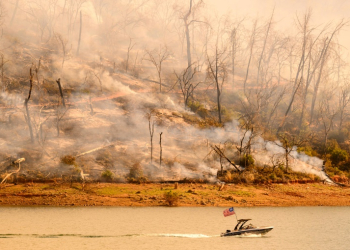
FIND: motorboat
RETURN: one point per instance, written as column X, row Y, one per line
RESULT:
column 242, row 229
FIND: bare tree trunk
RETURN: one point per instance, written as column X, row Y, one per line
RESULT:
column 219, row 103
column 61, row 92
column 161, row 150
column 300, row 71
column 81, row 25
column 337, row 28
column 58, row 124
column 128, row 56
column 14, row 13
column 263, row 50
column 214, row 71
column 252, row 42
column 188, row 42
column 151, row 132
column 287, row 159
column 316, row 91
column 310, row 75
column 2, row 73
column 26, row 105
column 343, row 104
column 233, row 54
column 221, row 166
column 160, row 78
column 91, row 108
column 289, row 107
column 218, row 92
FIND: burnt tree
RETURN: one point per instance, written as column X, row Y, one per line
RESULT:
column 31, row 76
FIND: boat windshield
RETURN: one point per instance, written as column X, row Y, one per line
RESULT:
column 240, row 224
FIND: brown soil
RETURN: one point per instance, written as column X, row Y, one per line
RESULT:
column 102, row 194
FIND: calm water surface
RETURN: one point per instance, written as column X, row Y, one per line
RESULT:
column 170, row 228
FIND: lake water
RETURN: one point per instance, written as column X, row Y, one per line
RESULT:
column 170, row 228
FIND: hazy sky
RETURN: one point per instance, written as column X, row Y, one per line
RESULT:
column 324, row 11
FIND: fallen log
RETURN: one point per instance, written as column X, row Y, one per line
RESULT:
column 329, row 180
column 94, row 150
column 221, row 154
column 18, row 161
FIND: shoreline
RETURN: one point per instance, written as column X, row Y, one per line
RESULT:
column 188, row 195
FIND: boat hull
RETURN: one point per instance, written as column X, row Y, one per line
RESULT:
column 252, row 231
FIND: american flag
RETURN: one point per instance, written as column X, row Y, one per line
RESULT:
column 229, row 211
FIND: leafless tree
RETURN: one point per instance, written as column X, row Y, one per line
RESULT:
column 60, row 113
column 151, row 130
column 189, row 19
column 157, row 58
column 44, row 14
column 217, row 71
column 290, row 142
column 251, row 47
column 61, row 91
column 327, row 115
column 344, row 101
column 31, row 77
column 313, row 65
column 186, row 84
column 80, row 29
column 38, row 124
column 124, row 16
column 251, row 131
column 14, row 13
column 305, row 31
column 128, row 55
column 264, row 47
column 234, row 48
column 98, row 77
column 65, row 51
column 72, row 9
column 336, row 30
column 276, row 161
column 160, row 148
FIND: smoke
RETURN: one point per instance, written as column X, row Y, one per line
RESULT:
column 125, row 124
column 113, row 34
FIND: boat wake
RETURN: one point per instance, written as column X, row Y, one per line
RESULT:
column 194, row 236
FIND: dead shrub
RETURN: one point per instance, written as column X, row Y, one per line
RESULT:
column 171, row 198
column 136, row 174
column 68, row 160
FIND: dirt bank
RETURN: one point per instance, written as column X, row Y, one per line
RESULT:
column 95, row 194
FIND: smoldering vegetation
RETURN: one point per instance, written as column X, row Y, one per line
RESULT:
column 148, row 90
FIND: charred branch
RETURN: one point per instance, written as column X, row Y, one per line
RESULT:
column 221, row 154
